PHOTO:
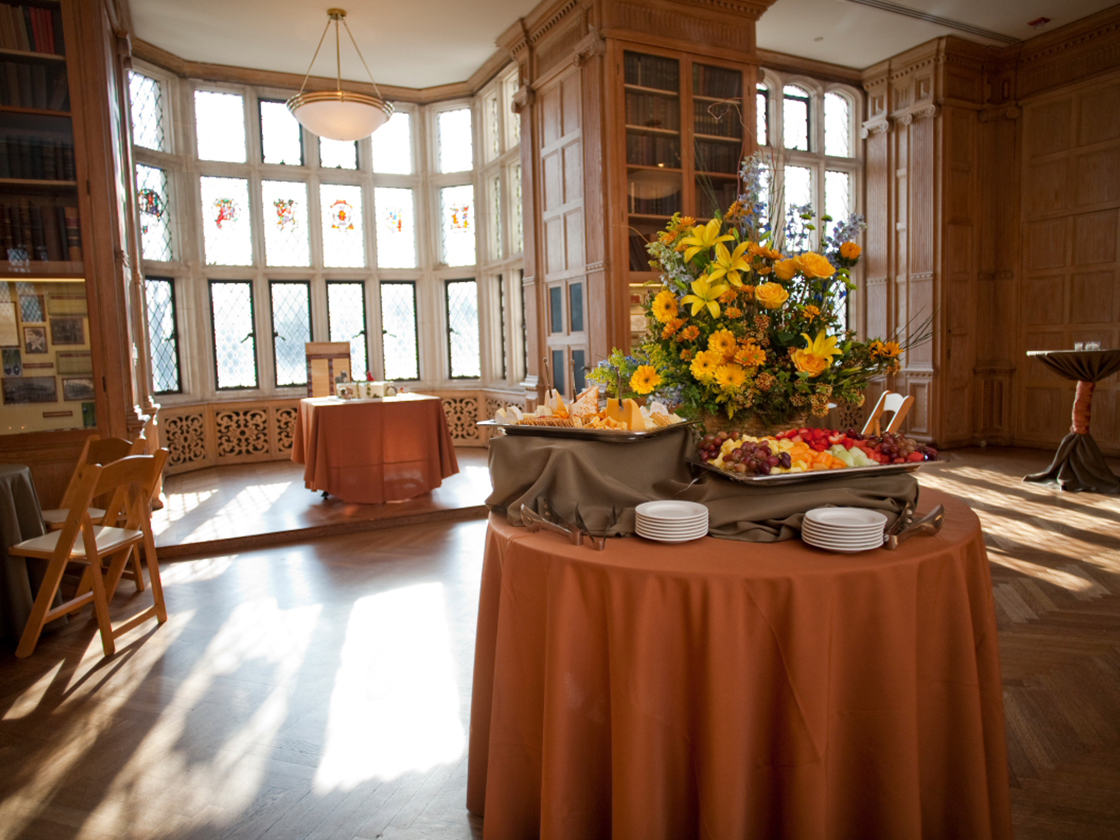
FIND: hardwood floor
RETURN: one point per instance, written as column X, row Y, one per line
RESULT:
column 322, row 689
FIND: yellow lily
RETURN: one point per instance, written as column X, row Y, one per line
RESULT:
column 822, row 345
column 704, row 238
column 705, row 294
column 728, row 264
column 817, row 357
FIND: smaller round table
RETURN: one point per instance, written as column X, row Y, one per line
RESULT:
column 21, row 518
column 1079, row 464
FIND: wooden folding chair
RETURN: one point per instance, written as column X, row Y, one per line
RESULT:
column 129, row 480
column 897, row 405
column 96, row 451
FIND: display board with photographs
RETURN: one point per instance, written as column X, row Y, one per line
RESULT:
column 46, row 376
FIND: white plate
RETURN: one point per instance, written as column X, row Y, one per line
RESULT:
column 673, row 526
column 672, row 529
column 851, row 517
column 844, row 549
column 678, row 535
column 844, row 533
column 672, row 539
column 671, row 510
column 817, row 540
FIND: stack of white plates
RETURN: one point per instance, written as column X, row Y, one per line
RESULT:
column 672, row 521
column 846, row 529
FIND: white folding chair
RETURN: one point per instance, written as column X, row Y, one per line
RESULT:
column 895, row 404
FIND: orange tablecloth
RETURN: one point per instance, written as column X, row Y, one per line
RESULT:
column 374, row 451
column 719, row 689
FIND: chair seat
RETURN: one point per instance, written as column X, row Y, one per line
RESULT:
column 108, row 540
column 57, row 516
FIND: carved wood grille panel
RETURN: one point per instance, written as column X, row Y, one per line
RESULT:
column 462, row 415
column 285, row 428
column 185, row 438
column 241, row 433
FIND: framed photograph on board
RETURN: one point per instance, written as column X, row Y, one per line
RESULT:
column 70, row 331
column 13, row 364
column 34, row 340
column 77, row 389
column 74, row 364
column 31, row 389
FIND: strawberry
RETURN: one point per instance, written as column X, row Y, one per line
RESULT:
column 916, row 456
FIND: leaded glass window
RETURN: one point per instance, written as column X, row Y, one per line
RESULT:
column 837, row 195
column 396, row 227
column 762, row 115
column 398, row 330
column 453, row 133
column 517, row 231
column 837, row 126
column 496, row 217
column 285, row 223
column 235, row 342
column 343, row 239
column 798, row 186
column 346, row 317
column 163, row 336
column 493, row 137
column 462, row 329
column 513, row 120
column 225, row 221
column 502, row 325
column 146, row 103
column 456, row 212
column 291, row 330
column 219, row 126
column 795, row 117
column 338, row 154
column 155, row 213
column 281, row 137
column 519, row 292
column 392, row 146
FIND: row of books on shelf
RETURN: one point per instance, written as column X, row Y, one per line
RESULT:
column 41, row 231
column 651, row 71
column 31, row 29
column 717, row 120
column 666, row 206
column 653, row 150
column 718, row 82
column 36, row 158
column 34, row 86
column 652, row 111
column 717, row 157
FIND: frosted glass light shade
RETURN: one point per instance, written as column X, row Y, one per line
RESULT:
column 340, row 114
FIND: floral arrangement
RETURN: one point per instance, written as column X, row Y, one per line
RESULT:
column 746, row 321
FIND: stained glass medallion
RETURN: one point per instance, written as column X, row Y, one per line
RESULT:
column 396, row 227
column 457, row 224
column 155, row 218
column 225, row 220
column 285, row 224
column 219, row 126
column 341, row 210
column 398, row 330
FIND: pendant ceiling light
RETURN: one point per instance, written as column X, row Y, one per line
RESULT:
column 339, row 114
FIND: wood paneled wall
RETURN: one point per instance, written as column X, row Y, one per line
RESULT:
column 993, row 198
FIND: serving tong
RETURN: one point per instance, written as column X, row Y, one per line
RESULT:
column 575, row 532
column 904, row 527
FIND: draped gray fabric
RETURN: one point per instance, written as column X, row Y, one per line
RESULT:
column 20, row 519
column 606, row 481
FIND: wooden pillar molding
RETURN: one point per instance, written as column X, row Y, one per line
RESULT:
column 993, row 202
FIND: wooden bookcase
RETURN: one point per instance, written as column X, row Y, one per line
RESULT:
column 684, row 119
column 66, row 316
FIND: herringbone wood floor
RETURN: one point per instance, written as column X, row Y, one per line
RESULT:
column 322, row 690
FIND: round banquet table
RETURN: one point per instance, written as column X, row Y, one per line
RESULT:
column 21, row 519
column 1079, row 463
column 718, row 689
column 374, row 451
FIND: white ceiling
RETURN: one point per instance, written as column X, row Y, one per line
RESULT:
column 422, row 43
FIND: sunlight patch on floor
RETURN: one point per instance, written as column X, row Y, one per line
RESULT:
column 395, row 704
column 178, row 506
column 245, row 506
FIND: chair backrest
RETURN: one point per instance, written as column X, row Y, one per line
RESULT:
column 899, row 405
column 131, row 480
column 98, row 450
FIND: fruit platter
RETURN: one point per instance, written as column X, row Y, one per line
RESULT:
column 809, row 455
column 618, row 421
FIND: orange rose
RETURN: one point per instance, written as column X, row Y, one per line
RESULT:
column 770, row 295
column 785, row 269
column 815, row 265
column 810, row 363
column 850, row 251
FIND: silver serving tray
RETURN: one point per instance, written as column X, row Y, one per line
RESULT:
column 603, row 435
column 817, row 475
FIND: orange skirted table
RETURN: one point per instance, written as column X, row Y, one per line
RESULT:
column 720, row 689
column 374, row 451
